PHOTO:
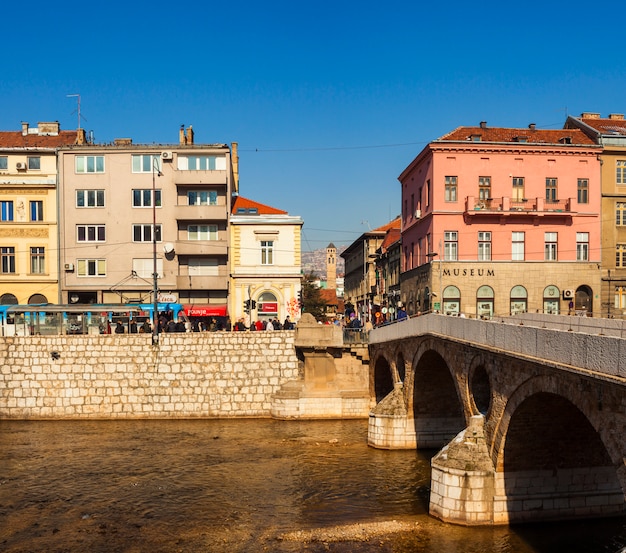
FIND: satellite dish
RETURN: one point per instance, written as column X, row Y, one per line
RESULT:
column 168, row 247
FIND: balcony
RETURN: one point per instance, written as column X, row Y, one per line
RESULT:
column 202, row 282
column 202, row 247
column 200, row 177
column 200, row 213
column 511, row 207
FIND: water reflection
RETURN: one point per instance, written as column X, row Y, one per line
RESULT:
column 235, row 485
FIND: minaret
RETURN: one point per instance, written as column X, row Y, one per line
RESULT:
column 331, row 267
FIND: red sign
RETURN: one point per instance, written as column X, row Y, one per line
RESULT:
column 268, row 307
column 205, row 310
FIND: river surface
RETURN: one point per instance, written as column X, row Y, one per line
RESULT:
column 238, row 486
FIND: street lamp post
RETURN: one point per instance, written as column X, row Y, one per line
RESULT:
column 155, row 272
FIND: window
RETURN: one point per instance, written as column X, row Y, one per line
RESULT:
column 583, row 191
column 202, row 232
column 144, row 268
column 620, row 297
column 6, row 208
column 267, row 252
column 518, row 189
column 34, row 163
column 620, row 255
column 451, row 189
column 37, row 261
column 90, row 164
column 7, row 256
column 484, row 188
column 620, row 214
column 202, row 197
column 517, row 246
column 143, row 197
column 620, row 172
column 551, row 190
column 451, row 245
column 146, row 163
column 582, row 246
column 203, row 266
column 90, row 198
column 201, row 163
column 550, row 239
column 4, row 163
column 484, row 246
column 36, row 210
column 90, row 233
column 91, row 267
column 143, row 233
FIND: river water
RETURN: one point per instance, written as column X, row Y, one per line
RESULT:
column 238, row 486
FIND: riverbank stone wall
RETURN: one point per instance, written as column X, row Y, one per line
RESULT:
column 212, row 375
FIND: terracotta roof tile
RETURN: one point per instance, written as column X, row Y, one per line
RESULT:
column 15, row 139
column 606, row 126
column 392, row 236
column 525, row 135
column 396, row 223
column 262, row 209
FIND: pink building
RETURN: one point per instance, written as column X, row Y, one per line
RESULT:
column 498, row 221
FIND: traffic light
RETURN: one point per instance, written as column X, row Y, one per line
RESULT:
column 246, row 306
column 252, row 304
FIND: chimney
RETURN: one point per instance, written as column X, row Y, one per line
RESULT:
column 182, row 137
column 483, row 124
column 616, row 116
column 189, row 134
column 234, row 160
column 81, row 137
column 589, row 115
column 24, row 128
column 50, row 129
column 532, row 126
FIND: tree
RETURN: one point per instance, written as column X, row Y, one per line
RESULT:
column 312, row 300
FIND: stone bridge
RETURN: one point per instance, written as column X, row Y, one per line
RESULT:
column 529, row 413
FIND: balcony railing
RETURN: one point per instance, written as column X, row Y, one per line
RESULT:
column 506, row 205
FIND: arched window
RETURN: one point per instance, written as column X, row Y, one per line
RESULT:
column 519, row 300
column 484, row 302
column 267, row 305
column 451, row 300
column 8, row 299
column 551, row 303
column 37, row 299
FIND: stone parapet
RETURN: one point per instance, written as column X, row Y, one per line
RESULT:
column 221, row 374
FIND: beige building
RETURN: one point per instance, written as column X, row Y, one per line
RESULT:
column 127, row 207
column 29, row 265
column 266, row 264
column 610, row 133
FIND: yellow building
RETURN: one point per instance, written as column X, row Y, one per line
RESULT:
column 266, row 263
column 29, row 260
column 610, row 133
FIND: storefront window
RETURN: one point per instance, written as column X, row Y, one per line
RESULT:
column 551, row 300
column 451, row 300
column 519, row 300
column 484, row 302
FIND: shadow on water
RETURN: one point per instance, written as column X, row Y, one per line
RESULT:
column 237, row 486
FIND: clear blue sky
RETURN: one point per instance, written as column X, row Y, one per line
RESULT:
column 329, row 101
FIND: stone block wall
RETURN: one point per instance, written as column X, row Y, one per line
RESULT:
column 221, row 374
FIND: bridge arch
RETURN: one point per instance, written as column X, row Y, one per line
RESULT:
column 479, row 387
column 382, row 379
column 434, row 399
column 552, row 457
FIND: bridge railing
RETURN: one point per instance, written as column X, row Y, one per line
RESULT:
column 596, row 352
column 355, row 336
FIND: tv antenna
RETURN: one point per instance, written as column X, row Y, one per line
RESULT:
column 77, row 96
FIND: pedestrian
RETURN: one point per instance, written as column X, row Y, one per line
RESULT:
column 119, row 328
column 269, row 325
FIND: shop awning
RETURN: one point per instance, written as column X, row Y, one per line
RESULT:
column 194, row 310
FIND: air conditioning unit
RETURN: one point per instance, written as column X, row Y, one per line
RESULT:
column 20, row 166
column 418, row 213
column 167, row 155
column 568, row 294
column 69, row 266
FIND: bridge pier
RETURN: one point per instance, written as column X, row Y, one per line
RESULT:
column 463, row 479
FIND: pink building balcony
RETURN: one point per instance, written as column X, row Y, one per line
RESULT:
column 507, row 206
